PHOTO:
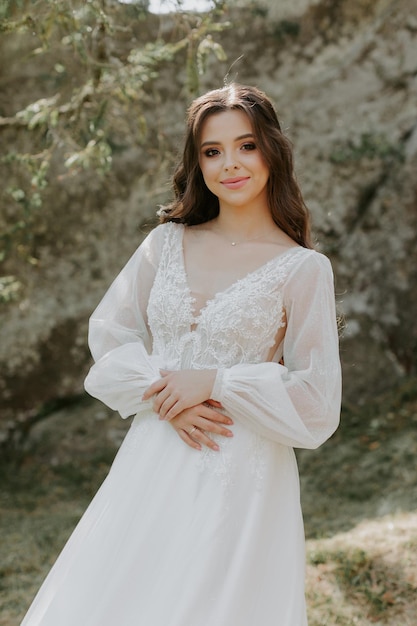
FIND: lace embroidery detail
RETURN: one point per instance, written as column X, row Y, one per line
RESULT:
column 170, row 305
column 257, row 458
column 238, row 325
column 218, row 463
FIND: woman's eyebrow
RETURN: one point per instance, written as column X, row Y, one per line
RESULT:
column 216, row 143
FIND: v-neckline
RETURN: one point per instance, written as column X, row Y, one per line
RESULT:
column 195, row 318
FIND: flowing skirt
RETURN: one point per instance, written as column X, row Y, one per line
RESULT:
column 180, row 537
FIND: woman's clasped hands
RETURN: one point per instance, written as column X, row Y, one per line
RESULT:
column 183, row 399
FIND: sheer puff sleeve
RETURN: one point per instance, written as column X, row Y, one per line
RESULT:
column 296, row 404
column 119, row 338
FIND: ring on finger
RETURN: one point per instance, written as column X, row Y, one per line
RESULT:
column 194, row 428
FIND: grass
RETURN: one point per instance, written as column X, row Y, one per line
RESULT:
column 365, row 576
column 359, row 495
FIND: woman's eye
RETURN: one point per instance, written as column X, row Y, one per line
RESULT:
column 211, row 152
column 248, row 146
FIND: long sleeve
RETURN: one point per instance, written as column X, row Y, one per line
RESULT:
column 298, row 403
column 119, row 338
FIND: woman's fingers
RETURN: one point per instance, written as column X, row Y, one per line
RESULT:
column 213, row 427
column 199, row 433
column 163, row 403
column 170, row 408
column 156, row 387
column 195, row 425
column 201, row 437
column 214, row 403
column 188, row 440
column 215, row 416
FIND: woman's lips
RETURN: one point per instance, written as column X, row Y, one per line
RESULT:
column 235, row 183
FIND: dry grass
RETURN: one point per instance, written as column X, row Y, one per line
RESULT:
column 365, row 576
column 360, row 503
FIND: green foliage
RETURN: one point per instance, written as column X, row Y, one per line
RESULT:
column 286, row 28
column 98, row 60
column 9, row 288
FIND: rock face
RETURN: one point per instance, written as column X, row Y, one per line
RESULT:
column 343, row 76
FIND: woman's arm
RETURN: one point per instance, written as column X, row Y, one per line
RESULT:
column 118, row 336
column 298, row 403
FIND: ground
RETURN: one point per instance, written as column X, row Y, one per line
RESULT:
column 359, row 494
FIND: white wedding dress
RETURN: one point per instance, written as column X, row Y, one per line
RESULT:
column 181, row 537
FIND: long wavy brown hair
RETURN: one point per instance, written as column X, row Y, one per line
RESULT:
column 194, row 203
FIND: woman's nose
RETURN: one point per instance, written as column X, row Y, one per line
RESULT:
column 231, row 163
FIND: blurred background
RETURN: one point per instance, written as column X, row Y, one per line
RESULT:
column 93, row 97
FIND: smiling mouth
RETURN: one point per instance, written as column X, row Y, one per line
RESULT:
column 235, row 183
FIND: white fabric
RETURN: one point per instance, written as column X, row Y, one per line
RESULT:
column 178, row 537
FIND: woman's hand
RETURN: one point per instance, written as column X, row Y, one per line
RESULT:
column 194, row 424
column 176, row 391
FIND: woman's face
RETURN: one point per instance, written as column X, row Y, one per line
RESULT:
column 232, row 165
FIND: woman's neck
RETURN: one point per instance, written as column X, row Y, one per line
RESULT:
column 238, row 226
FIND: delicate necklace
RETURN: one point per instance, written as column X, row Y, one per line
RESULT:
column 237, row 243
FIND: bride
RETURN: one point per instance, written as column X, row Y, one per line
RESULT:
column 220, row 337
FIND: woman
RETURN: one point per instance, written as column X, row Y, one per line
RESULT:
column 222, row 325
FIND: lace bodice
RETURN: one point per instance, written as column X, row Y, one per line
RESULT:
column 147, row 322
column 238, row 325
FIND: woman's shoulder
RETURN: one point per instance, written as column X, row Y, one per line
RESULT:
column 309, row 266
column 159, row 238
column 158, row 233
column 310, row 257
column 168, row 228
